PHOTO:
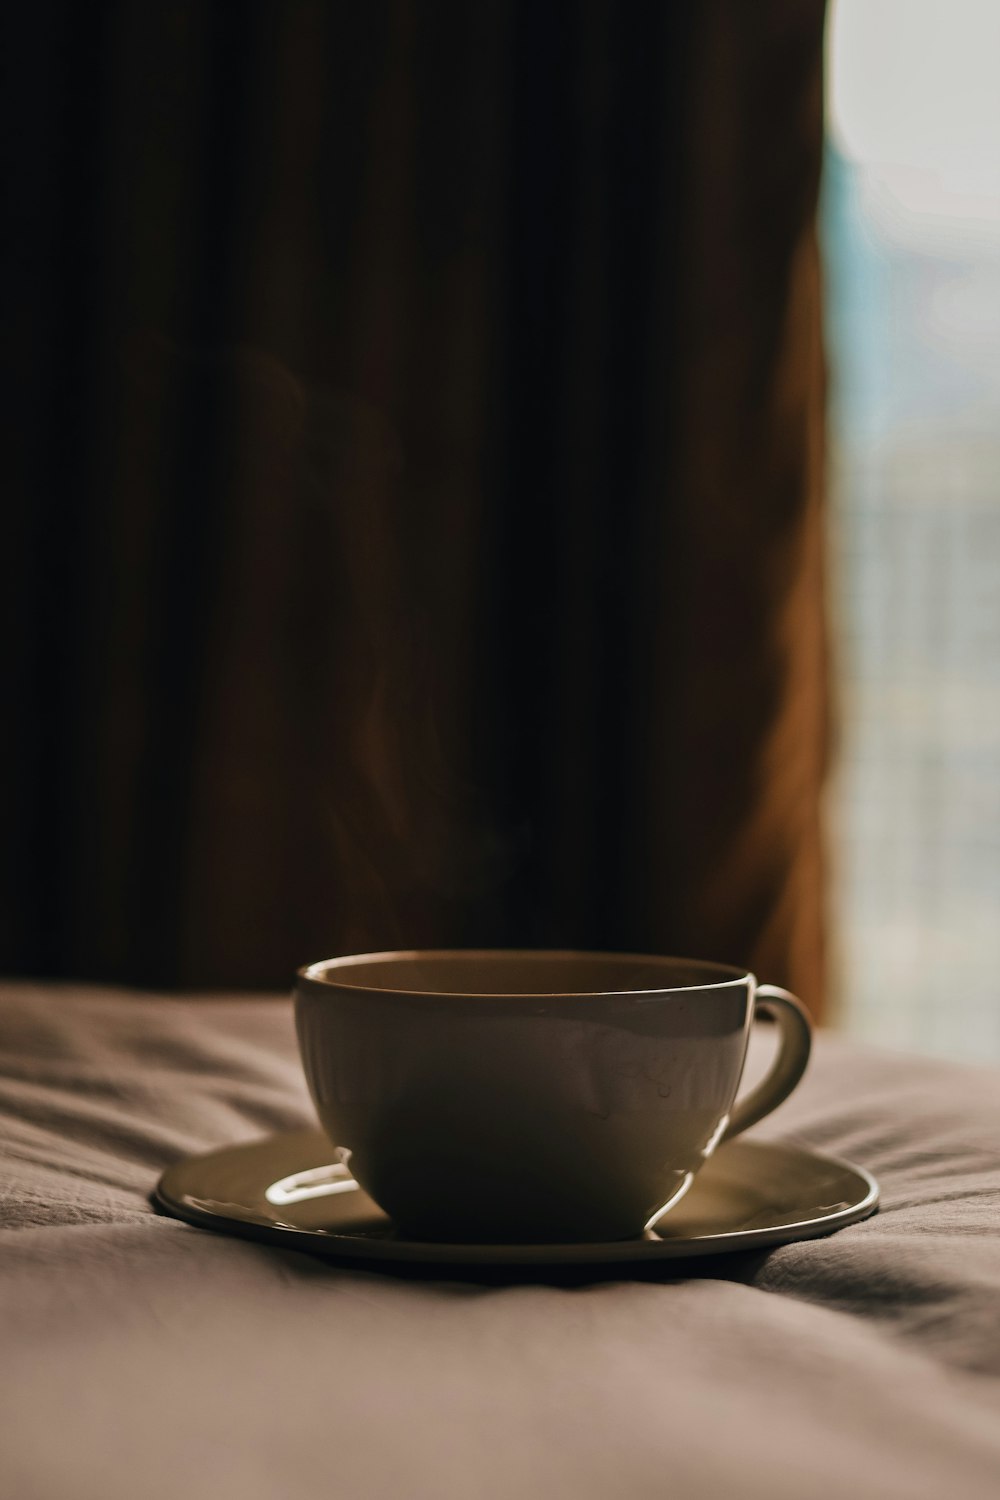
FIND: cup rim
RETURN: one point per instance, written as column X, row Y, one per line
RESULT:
column 318, row 973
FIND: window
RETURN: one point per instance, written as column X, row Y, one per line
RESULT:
column 911, row 227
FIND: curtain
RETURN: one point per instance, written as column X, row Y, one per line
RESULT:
column 416, row 476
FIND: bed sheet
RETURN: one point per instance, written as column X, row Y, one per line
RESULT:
column 142, row 1356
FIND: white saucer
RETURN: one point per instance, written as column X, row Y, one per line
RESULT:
column 284, row 1191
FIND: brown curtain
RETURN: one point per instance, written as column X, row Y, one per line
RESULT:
column 416, row 469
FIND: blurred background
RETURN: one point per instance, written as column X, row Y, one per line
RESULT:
column 911, row 238
column 441, row 519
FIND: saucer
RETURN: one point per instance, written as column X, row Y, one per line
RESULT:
column 285, row 1191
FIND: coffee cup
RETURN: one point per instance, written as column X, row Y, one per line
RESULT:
column 533, row 1096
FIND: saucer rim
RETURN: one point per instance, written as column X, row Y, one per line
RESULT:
column 340, row 1246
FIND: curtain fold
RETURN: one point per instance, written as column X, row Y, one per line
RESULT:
column 417, row 475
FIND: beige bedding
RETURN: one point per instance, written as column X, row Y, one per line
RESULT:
column 141, row 1357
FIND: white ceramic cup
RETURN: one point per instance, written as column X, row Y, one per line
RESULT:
column 534, row 1096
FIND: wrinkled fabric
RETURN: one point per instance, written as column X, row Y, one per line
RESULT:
column 144, row 1356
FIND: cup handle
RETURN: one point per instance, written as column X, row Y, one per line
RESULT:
column 788, row 1067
